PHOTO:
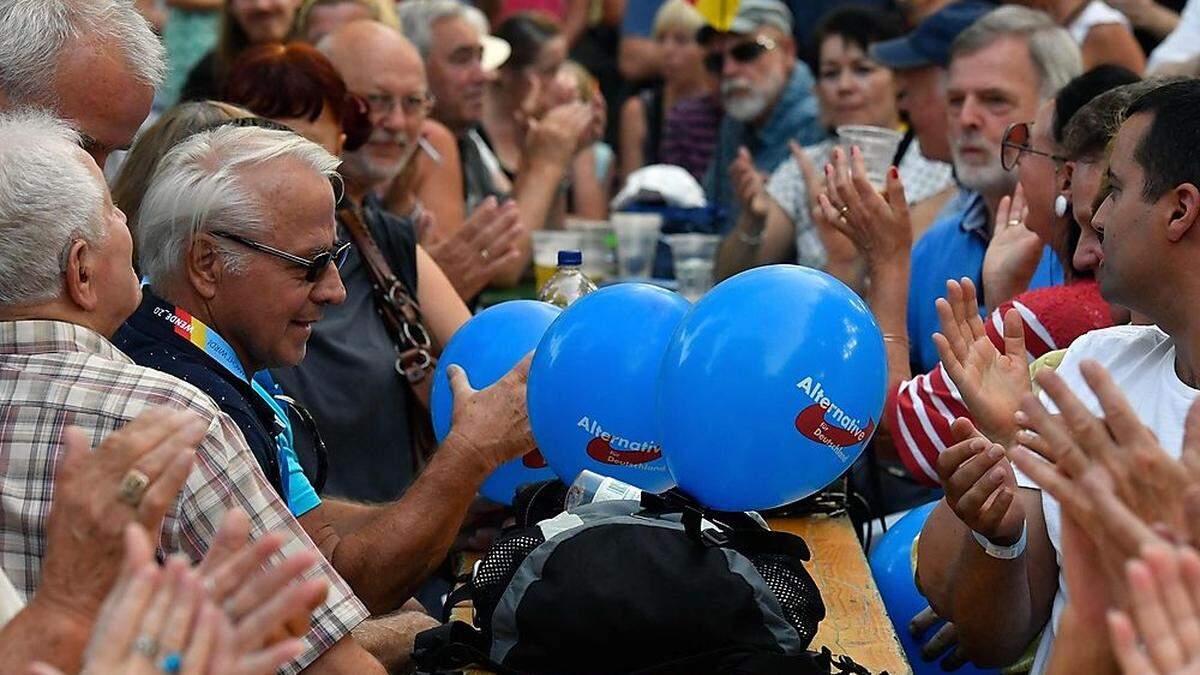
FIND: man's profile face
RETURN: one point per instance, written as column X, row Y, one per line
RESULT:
column 923, row 98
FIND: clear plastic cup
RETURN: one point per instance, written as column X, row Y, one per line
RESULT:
column 598, row 246
column 546, row 245
column 694, row 255
column 637, row 240
column 878, row 146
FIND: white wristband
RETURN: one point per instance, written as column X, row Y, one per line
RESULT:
column 1002, row 552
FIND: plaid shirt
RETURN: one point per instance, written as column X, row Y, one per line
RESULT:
column 54, row 374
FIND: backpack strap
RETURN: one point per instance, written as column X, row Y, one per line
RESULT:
column 453, row 647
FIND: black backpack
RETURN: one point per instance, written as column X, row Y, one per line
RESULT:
column 656, row 587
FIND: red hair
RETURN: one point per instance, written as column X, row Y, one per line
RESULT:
column 296, row 80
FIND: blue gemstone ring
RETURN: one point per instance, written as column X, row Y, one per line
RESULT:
column 171, row 663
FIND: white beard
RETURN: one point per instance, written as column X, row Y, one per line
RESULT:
column 988, row 179
column 746, row 102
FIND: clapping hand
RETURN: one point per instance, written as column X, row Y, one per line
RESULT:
column 980, row 485
column 878, row 224
column 482, row 248
column 1013, row 253
column 749, row 185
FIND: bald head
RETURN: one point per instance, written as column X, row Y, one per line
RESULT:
column 379, row 64
column 361, row 51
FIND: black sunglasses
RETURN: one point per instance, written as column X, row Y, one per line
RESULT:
column 313, row 267
column 742, row 52
column 1016, row 143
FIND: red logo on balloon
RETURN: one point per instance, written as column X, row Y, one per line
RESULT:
column 811, row 424
column 603, row 452
column 534, row 460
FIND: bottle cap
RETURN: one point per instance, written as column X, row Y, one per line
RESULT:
column 570, row 258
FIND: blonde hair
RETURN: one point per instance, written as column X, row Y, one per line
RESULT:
column 678, row 15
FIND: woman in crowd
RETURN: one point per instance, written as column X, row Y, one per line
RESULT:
column 317, row 18
column 920, row 410
column 592, row 170
column 852, row 89
column 243, row 23
column 1104, row 34
column 644, row 117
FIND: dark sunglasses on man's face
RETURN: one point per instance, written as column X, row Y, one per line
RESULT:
column 742, row 52
column 313, row 267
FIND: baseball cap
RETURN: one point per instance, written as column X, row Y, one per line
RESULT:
column 929, row 44
column 752, row 15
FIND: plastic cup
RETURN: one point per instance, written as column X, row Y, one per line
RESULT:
column 597, row 246
column 637, row 239
column 878, row 146
column 694, row 256
column 546, row 245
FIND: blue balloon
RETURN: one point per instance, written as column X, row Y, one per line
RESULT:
column 592, row 384
column 771, row 388
column 487, row 347
column 893, row 564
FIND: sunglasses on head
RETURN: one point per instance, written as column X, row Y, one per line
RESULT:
column 314, row 267
column 742, row 52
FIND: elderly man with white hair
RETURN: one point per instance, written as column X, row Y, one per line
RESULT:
column 94, row 63
column 66, row 284
column 234, row 212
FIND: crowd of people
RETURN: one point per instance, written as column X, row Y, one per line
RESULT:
column 236, row 234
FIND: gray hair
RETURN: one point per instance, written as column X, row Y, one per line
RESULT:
column 1054, row 53
column 199, row 187
column 417, row 18
column 34, row 33
column 49, row 199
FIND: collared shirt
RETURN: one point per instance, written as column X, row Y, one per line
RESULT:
column 795, row 116
column 55, row 374
column 10, row 601
column 161, row 336
column 954, row 248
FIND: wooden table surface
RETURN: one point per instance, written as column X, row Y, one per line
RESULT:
column 856, row 623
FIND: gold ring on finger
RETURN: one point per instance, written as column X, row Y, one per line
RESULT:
column 133, row 487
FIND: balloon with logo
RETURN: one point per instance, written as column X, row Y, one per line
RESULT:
column 771, row 388
column 487, row 347
column 592, row 384
column 894, row 566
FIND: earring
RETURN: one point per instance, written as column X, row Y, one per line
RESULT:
column 1060, row 205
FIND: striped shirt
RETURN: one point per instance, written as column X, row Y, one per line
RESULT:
column 55, row 374
column 690, row 134
column 919, row 411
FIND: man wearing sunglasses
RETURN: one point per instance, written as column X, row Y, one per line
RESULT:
column 765, row 91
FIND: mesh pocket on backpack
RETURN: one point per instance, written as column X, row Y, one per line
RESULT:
column 496, row 569
column 796, row 591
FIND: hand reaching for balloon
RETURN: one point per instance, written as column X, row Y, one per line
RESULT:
column 1013, row 253
column 878, row 224
column 990, row 382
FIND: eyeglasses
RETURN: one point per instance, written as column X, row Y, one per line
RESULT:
column 742, row 52
column 383, row 105
column 1016, row 143
column 313, row 267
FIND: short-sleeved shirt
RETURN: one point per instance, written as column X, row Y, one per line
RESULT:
column 54, row 374
column 689, row 135
column 923, row 178
column 154, row 337
column 794, row 117
column 953, row 248
column 348, row 379
column 1141, row 361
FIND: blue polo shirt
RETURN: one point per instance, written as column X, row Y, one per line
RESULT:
column 154, row 337
column 951, row 249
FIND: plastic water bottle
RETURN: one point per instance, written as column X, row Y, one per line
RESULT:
column 569, row 283
column 592, row 487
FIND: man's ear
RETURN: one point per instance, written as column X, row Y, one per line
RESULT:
column 203, row 265
column 80, row 276
column 1185, row 212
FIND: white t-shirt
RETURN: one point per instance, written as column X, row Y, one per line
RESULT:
column 1097, row 13
column 10, row 600
column 1183, row 43
column 1141, row 360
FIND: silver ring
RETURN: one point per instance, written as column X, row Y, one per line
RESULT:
column 484, row 254
column 146, row 646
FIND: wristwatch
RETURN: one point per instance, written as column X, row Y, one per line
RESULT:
column 1002, row 552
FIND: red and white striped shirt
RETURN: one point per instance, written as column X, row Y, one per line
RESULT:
column 919, row 411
